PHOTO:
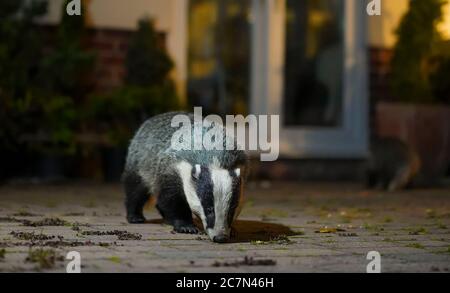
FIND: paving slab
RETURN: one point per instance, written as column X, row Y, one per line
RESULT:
column 297, row 227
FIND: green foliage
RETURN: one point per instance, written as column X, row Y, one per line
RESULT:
column 44, row 122
column 57, row 119
column 147, row 63
column 417, row 39
column 44, row 258
column 63, row 79
column 64, row 70
column 72, row 27
column 120, row 113
column 20, row 52
column 42, row 86
column 148, row 89
column 20, row 45
column 38, row 91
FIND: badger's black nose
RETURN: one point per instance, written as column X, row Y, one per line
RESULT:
column 220, row 238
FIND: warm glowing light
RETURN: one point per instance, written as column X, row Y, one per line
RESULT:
column 444, row 26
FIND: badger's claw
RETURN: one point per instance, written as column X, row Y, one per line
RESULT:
column 186, row 229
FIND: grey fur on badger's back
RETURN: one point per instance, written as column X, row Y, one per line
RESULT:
column 150, row 154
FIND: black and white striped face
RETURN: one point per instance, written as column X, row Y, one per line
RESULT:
column 214, row 195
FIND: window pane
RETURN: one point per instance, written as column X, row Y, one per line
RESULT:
column 219, row 55
column 314, row 62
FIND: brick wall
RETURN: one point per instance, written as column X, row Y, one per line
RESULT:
column 111, row 49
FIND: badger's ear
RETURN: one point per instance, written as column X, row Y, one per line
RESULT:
column 196, row 171
column 237, row 171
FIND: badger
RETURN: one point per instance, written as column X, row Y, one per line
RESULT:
column 205, row 183
column 392, row 164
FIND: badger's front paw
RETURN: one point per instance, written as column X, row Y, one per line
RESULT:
column 188, row 229
column 135, row 219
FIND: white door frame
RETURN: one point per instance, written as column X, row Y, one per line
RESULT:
column 267, row 78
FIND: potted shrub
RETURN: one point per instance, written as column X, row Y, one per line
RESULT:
column 66, row 66
column 63, row 84
column 51, row 133
column 20, row 55
column 40, row 87
column 147, row 91
column 420, row 80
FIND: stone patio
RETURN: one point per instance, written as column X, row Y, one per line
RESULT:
column 284, row 227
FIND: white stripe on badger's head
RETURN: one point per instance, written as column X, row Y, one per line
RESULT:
column 213, row 194
column 185, row 171
column 223, row 195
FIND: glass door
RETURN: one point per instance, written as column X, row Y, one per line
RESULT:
column 219, row 55
column 314, row 54
column 309, row 67
column 304, row 60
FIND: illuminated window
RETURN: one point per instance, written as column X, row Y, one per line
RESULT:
column 219, row 55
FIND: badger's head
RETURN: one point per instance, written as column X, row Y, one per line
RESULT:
column 214, row 196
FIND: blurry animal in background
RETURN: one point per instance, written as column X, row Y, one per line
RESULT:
column 392, row 164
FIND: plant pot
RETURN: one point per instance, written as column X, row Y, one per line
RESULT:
column 426, row 128
column 50, row 168
column 113, row 162
column 14, row 164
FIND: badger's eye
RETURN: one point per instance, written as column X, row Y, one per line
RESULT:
column 210, row 210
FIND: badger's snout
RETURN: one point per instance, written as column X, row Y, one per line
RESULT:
column 219, row 235
column 221, row 238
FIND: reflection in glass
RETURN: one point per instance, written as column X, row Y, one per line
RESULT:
column 219, row 55
column 313, row 63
